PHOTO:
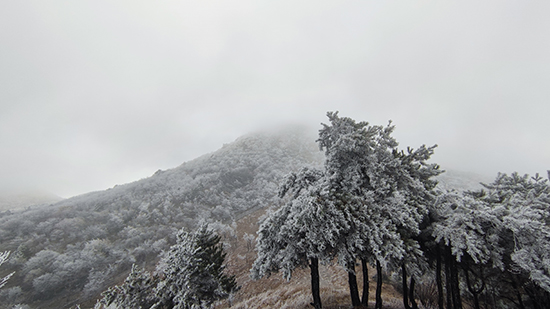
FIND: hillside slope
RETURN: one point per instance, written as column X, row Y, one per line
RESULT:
column 276, row 292
column 68, row 252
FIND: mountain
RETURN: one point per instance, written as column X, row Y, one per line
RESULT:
column 462, row 181
column 238, row 177
column 68, row 252
column 17, row 199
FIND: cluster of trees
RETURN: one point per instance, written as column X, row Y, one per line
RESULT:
column 189, row 275
column 374, row 203
column 496, row 241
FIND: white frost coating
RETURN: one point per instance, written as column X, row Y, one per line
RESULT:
column 505, row 226
column 3, row 258
column 367, row 203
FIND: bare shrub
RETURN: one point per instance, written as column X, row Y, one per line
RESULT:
column 426, row 293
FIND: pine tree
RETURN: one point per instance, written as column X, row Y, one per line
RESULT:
column 382, row 191
column 135, row 293
column 366, row 204
column 190, row 275
column 467, row 230
column 300, row 233
column 192, row 272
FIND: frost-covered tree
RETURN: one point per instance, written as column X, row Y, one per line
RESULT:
column 367, row 204
column 192, row 272
column 522, row 204
column 135, row 293
column 190, row 275
column 3, row 258
column 499, row 238
column 300, row 233
column 382, row 193
column 468, row 232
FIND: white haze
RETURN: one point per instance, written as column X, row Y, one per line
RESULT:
column 97, row 93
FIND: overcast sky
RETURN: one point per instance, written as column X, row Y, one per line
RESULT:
column 98, row 93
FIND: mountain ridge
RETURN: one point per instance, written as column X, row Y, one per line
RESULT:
column 287, row 150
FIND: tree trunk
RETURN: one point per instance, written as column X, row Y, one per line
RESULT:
column 455, row 286
column 475, row 291
column 520, row 300
column 405, row 289
column 438, row 281
column 352, row 280
column 518, row 293
column 457, row 300
column 471, row 289
column 365, row 296
column 533, row 297
column 314, row 266
column 414, row 305
column 378, row 285
column 448, row 284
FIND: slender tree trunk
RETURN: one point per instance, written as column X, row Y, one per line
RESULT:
column 405, row 289
column 414, row 305
column 378, row 285
column 457, row 301
column 438, row 281
column 518, row 293
column 448, row 284
column 493, row 298
column 475, row 291
column 352, row 280
column 520, row 300
column 365, row 296
column 471, row 289
column 456, row 287
column 532, row 295
column 314, row 266
column 546, row 298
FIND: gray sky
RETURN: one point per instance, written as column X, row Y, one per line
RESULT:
column 98, row 93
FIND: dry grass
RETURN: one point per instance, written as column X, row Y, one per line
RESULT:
column 275, row 292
